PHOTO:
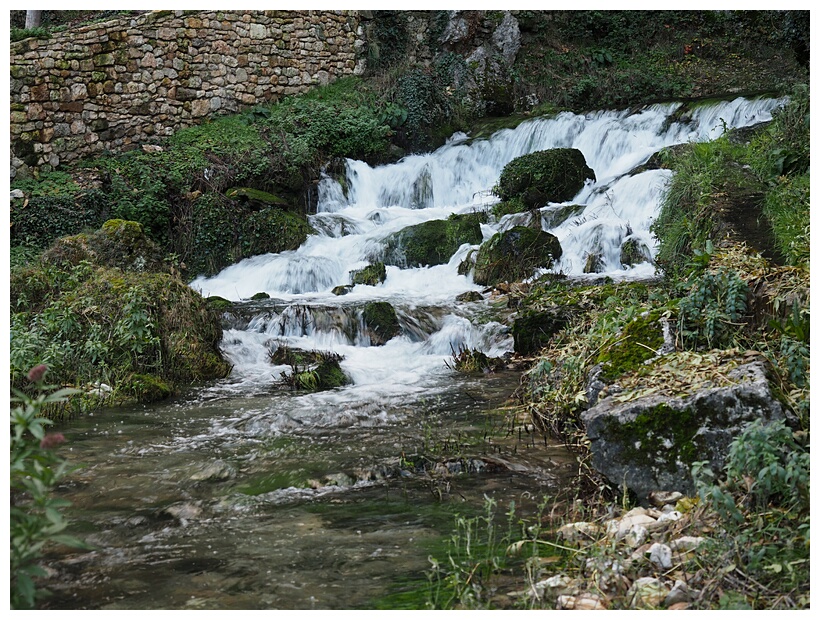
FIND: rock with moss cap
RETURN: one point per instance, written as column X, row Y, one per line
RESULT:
column 381, row 322
column 433, row 242
column 553, row 175
column 515, row 255
column 647, row 433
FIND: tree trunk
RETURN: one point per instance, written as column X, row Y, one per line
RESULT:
column 33, row 19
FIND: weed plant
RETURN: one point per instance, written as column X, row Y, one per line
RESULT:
column 35, row 516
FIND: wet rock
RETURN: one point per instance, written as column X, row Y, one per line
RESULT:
column 651, row 442
column 342, row 289
column 594, row 263
column 372, row 275
column 470, row 296
column 381, row 322
column 217, row 471
column 634, row 251
column 514, row 255
column 183, row 512
column 552, row 175
column 433, row 242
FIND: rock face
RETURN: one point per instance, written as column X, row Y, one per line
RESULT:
column 433, row 242
column 649, row 443
column 514, row 255
column 553, row 175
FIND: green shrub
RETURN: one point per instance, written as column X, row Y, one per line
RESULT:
column 712, row 313
column 35, row 516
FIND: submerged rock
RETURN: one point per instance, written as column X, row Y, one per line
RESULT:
column 649, row 442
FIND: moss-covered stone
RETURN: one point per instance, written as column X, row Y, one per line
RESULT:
column 220, row 304
column 146, row 388
column 553, row 175
column 514, row 255
column 145, row 332
column 634, row 252
column 433, row 242
column 381, row 322
column 256, row 198
column 533, row 330
column 260, row 295
column 371, row 275
column 118, row 243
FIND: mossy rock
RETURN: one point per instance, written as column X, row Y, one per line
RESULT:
column 342, row 289
column 634, row 252
column 225, row 231
column 533, row 330
column 594, row 263
column 118, row 243
column 146, row 388
column 260, row 295
column 553, row 175
column 638, row 342
column 469, row 296
column 220, row 304
column 381, row 322
column 256, row 198
column 326, row 375
column 433, row 242
column 372, row 275
column 557, row 215
column 514, row 255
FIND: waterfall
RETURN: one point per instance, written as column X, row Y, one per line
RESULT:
column 619, row 206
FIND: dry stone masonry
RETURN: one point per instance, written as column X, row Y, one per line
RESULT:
column 116, row 85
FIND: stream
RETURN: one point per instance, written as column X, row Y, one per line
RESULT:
column 244, row 494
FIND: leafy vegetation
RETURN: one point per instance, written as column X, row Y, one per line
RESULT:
column 35, row 516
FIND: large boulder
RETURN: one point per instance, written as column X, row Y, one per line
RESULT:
column 647, row 436
column 554, row 175
column 514, row 255
column 433, row 242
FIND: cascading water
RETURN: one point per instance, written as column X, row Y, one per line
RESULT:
column 247, row 495
column 618, row 207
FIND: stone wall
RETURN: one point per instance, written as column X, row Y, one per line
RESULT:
column 119, row 84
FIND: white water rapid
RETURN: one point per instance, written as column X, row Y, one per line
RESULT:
column 303, row 313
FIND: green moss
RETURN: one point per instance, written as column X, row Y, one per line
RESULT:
column 553, row 175
column 220, row 304
column 637, row 343
column 371, row 275
column 433, row 242
column 146, row 388
column 514, row 255
column 256, row 196
column 260, row 295
column 660, row 431
column 381, row 321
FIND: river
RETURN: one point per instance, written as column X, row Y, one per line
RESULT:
column 244, row 494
